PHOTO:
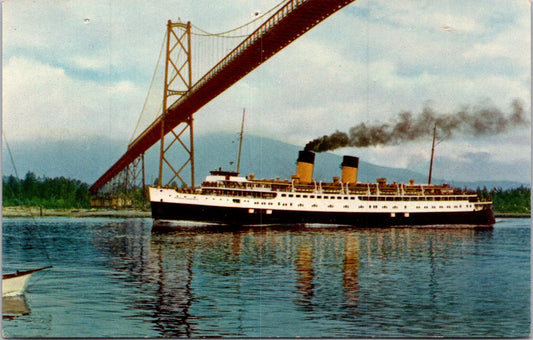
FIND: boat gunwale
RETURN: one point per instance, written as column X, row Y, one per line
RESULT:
column 19, row 273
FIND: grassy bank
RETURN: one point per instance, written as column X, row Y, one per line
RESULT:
column 19, row 211
column 511, row 215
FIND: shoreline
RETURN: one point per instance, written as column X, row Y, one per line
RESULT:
column 81, row 212
column 19, row 211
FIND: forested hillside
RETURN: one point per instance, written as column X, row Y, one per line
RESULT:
column 65, row 193
column 58, row 192
column 517, row 200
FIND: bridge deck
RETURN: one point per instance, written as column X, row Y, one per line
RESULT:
column 295, row 18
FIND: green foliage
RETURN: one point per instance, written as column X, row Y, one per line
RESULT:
column 137, row 197
column 516, row 200
column 64, row 193
column 59, row 192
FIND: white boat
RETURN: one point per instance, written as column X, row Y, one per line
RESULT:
column 15, row 283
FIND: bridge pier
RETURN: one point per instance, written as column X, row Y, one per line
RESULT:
column 126, row 190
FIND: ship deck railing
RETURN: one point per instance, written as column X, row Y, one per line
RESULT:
column 366, row 196
column 357, row 189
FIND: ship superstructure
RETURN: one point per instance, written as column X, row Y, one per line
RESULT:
column 227, row 198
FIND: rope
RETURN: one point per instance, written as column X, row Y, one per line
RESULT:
column 43, row 247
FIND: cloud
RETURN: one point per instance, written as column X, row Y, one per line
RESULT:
column 42, row 101
column 75, row 67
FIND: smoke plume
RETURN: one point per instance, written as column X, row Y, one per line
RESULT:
column 481, row 120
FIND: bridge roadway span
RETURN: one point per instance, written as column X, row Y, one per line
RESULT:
column 294, row 19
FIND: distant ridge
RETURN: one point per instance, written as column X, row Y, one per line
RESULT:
column 87, row 158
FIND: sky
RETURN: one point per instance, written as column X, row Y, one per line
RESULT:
column 84, row 68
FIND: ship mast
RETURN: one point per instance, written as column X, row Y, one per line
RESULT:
column 432, row 153
column 240, row 140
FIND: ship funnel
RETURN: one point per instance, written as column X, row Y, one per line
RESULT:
column 349, row 169
column 304, row 167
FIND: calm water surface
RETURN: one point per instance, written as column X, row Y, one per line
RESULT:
column 120, row 278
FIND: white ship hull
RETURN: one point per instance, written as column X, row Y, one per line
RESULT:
column 168, row 204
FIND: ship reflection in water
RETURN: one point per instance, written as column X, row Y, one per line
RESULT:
column 201, row 280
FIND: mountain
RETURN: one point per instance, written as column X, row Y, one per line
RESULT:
column 89, row 157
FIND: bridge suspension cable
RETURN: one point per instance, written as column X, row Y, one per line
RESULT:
column 248, row 24
column 208, row 48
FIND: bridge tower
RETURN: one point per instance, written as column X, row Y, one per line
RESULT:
column 178, row 83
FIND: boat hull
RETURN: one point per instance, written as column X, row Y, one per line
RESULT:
column 14, row 285
column 245, row 216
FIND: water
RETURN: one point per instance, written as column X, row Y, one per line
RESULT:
column 118, row 278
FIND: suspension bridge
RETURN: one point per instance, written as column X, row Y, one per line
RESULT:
column 170, row 119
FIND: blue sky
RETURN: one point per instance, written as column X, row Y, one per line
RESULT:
column 74, row 68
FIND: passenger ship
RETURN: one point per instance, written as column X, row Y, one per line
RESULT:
column 227, row 198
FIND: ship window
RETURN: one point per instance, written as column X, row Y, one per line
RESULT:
column 339, row 197
column 312, row 196
column 304, row 196
column 319, row 197
column 375, row 206
column 291, row 195
column 236, row 200
column 346, row 197
column 298, row 196
column 352, row 198
column 283, row 195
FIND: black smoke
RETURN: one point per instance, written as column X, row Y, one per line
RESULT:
column 477, row 121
